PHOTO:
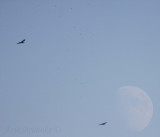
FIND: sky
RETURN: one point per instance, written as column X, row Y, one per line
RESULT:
column 62, row 81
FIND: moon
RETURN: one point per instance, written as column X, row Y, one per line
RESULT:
column 135, row 107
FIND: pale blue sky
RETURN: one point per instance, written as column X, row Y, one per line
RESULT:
column 76, row 55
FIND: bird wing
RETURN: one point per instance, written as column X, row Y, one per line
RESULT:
column 21, row 41
column 103, row 123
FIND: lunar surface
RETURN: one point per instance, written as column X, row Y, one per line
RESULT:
column 135, row 107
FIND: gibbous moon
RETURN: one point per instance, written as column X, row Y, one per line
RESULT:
column 135, row 106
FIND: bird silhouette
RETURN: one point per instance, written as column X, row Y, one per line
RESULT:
column 21, row 42
column 103, row 123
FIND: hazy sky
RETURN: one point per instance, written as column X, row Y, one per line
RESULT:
column 62, row 81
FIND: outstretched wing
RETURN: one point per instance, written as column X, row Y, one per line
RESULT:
column 21, row 42
column 103, row 123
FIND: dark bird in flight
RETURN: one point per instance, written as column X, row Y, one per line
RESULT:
column 21, row 42
column 103, row 123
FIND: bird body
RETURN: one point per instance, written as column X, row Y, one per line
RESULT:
column 103, row 123
column 21, row 42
